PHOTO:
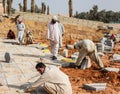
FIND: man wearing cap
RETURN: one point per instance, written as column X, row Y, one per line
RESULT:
column 20, row 28
column 53, row 34
column 52, row 80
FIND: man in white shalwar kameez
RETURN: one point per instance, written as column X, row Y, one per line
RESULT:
column 20, row 28
column 87, row 47
column 52, row 80
column 53, row 34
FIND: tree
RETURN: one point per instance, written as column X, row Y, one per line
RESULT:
column 93, row 13
column 9, row 6
column 32, row 5
column 104, row 16
column 70, row 8
column 20, row 7
column 37, row 10
column 48, row 10
column 43, row 8
column 24, row 5
column 4, row 5
column 101, row 16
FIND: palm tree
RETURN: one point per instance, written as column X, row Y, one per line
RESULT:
column 24, row 5
column 43, row 8
column 70, row 8
column 20, row 7
column 48, row 10
column 32, row 5
column 37, row 10
column 9, row 3
column 4, row 5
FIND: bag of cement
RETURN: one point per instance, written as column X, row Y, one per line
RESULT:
column 86, row 63
column 8, row 57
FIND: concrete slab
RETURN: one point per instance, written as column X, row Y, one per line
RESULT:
column 95, row 86
column 22, row 69
column 109, row 69
column 116, row 58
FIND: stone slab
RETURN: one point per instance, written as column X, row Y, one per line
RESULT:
column 95, row 86
column 109, row 69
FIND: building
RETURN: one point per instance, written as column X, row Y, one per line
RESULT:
column 1, row 7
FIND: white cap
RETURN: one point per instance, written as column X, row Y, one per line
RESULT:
column 54, row 18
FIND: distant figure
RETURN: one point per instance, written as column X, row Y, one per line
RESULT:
column 16, row 19
column 87, row 47
column 52, row 80
column 112, row 37
column 29, row 37
column 11, row 35
column 62, row 30
column 53, row 34
column 20, row 28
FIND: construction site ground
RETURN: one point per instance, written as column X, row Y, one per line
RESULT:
column 25, row 57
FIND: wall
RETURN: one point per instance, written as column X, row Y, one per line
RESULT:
column 63, row 19
column 75, row 29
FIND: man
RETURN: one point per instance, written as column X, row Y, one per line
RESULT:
column 53, row 80
column 62, row 30
column 53, row 34
column 11, row 35
column 20, row 28
column 86, row 47
column 29, row 37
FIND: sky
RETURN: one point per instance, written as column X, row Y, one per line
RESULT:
column 61, row 6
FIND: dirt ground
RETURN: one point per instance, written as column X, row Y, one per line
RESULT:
column 79, row 77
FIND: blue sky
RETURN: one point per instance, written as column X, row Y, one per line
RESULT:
column 61, row 6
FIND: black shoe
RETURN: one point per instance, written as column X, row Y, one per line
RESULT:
column 54, row 58
column 77, row 67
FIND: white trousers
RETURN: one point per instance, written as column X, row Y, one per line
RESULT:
column 54, row 48
column 20, row 36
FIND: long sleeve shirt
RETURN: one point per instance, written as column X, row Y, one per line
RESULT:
column 53, row 75
column 53, row 32
column 86, row 44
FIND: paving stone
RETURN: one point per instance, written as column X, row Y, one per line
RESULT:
column 14, row 79
column 116, row 58
column 2, row 79
column 22, row 69
column 95, row 86
column 4, row 90
column 109, row 69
